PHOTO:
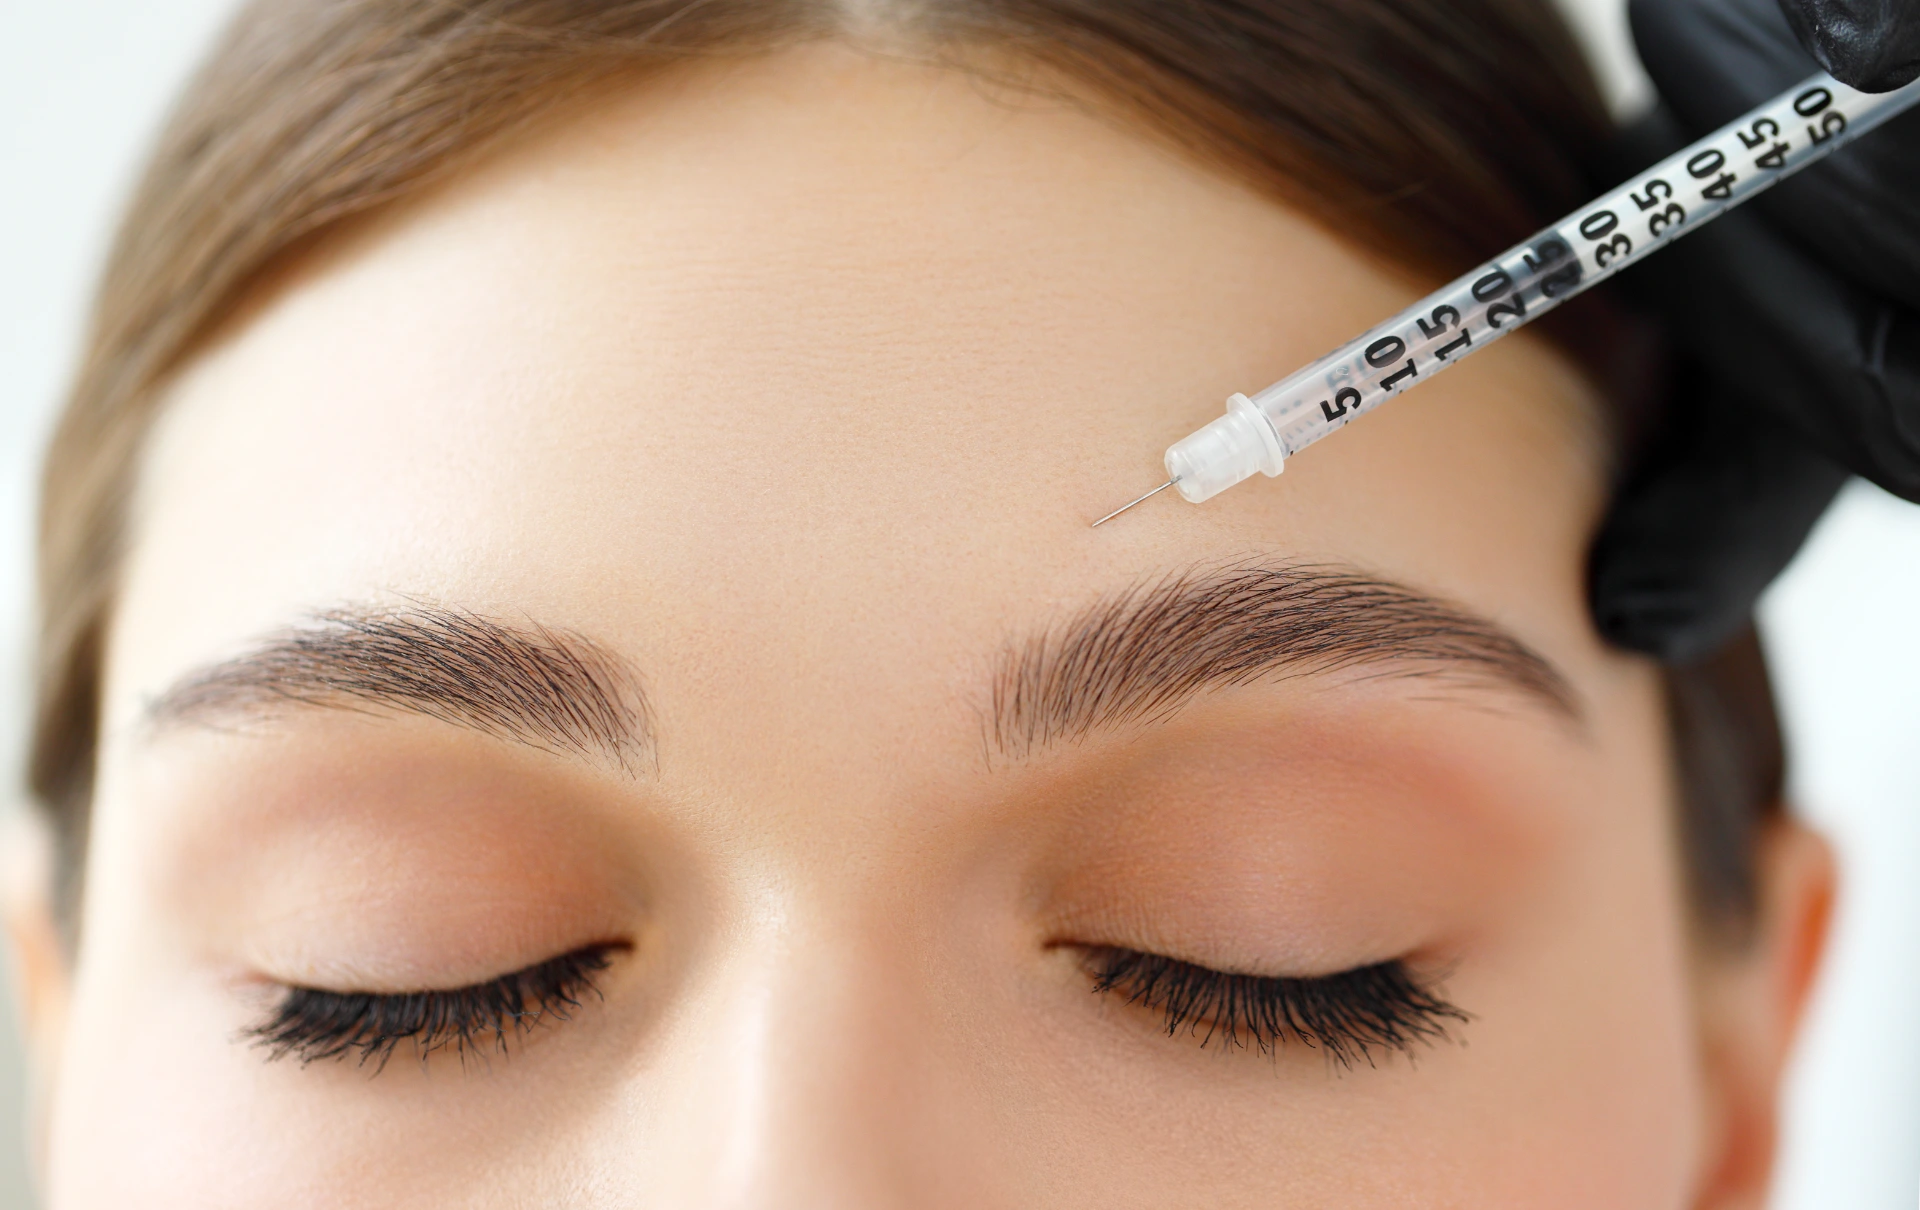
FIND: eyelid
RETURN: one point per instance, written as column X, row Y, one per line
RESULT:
column 315, row 1024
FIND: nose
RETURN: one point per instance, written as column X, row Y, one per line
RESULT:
column 810, row 1070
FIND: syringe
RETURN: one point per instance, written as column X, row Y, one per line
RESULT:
column 1736, row 162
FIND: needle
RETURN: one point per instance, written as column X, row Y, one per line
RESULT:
column 1142, row 500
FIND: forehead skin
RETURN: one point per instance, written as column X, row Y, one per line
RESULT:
column 796, row 382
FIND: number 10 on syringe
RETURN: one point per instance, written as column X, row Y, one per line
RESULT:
column 1673, row 197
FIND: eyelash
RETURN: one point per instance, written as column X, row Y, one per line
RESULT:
column 313, row 1025
column 1347, row 1016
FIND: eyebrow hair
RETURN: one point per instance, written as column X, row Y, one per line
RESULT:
column 550, row 689
column 1142, row 654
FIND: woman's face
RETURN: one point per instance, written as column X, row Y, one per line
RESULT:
column 659, row 563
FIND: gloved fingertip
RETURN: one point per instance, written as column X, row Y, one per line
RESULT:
column 1692, row 540
column 1873, row 49
column 1670, row 622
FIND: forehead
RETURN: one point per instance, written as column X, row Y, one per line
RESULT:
column 812, row 370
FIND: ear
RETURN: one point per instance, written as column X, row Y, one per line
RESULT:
column 1752, row 999
column 39, row 971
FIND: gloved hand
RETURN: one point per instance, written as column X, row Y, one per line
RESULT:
column 1796, row 318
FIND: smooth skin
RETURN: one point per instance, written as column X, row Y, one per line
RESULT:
column 793, row 383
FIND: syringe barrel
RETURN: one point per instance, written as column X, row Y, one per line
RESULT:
column 1743, row 158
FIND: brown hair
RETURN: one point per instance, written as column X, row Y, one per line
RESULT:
column 1431, row 133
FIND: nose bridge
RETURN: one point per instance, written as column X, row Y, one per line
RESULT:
column 816, row 1076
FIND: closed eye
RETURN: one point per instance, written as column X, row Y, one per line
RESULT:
column 1348, row 1015
column 312, row 1024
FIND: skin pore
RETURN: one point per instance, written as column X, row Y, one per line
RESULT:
column 754, row 417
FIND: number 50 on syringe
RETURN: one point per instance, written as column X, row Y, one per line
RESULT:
column 1729, row 166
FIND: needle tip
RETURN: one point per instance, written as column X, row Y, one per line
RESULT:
column 1142, row 500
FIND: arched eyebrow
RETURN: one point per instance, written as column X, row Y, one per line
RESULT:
column 551, row 689
column 1140, row 655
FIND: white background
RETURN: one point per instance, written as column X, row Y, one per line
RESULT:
column 83, row 84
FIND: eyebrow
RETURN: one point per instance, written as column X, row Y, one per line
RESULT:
column 550, row 689
column 1140, row 655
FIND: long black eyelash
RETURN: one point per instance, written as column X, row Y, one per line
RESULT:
column 1347, row 1016
column 313, row 1025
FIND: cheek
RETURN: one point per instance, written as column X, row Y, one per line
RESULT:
column 158, row 1106
column 1588, row 1027
column 1586, row 1051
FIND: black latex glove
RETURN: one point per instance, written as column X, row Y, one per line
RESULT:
column 1797, row 318
column 1873, row 45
